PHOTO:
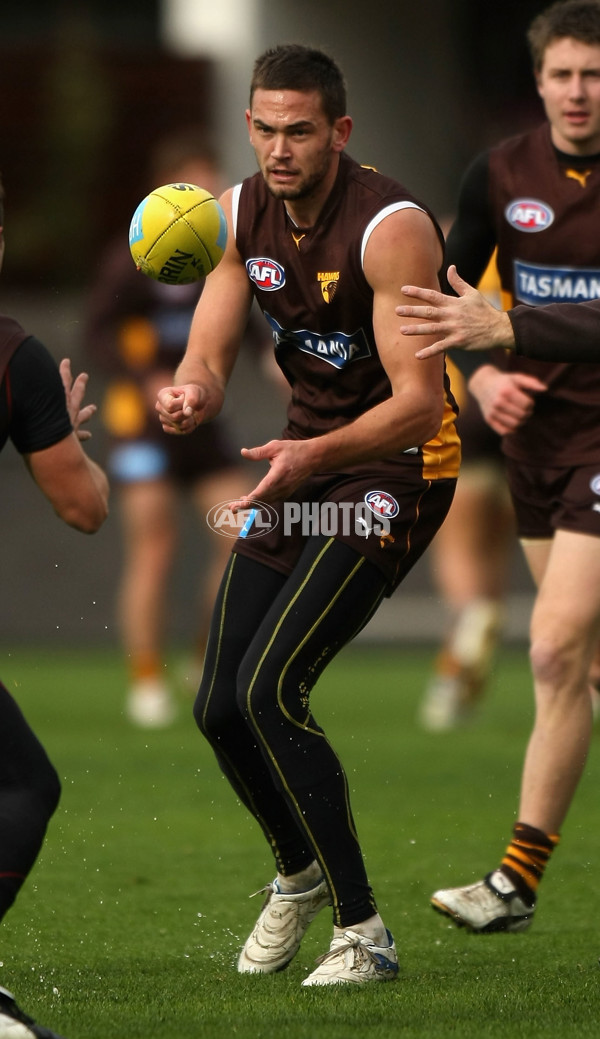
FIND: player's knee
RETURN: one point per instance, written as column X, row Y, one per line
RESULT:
column 556, row 659
column 212, row 713
column 272, row 700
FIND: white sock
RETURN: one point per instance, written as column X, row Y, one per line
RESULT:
column 303, row 881
column 373, row 928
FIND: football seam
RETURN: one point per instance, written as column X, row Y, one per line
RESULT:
column 181, row 216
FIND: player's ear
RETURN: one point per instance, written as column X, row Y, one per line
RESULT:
column 342, row 128
column 249, row 121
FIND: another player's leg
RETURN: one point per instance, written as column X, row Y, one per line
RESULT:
column 470, row 558
column 213, row 488
column 29, row 794
column 595, row 684
column 148, row 517
column 564, row 634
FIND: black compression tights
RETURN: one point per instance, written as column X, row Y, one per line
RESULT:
column 271, row 638
column 29, row 794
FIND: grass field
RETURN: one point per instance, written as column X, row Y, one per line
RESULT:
column 130, row 923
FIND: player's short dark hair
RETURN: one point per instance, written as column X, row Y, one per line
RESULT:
column 578, row 19
column 292, row 66
column 1, row 201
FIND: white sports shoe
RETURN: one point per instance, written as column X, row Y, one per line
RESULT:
column 150, row 704
column 445, row 704
column 354, row 959
column 492, row 904
column 15, row 1024
column 281, row 926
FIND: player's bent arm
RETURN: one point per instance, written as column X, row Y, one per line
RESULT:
column 215, row 335
column 75, row 486
column 404, row 244
column 408, row 245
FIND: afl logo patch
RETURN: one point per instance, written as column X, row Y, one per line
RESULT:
column 528, row 214
column 382, row 504
column 595, row 484
column 265, row 273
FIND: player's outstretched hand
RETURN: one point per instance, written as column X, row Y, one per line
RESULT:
column 74, row 394
column 466, row 321
column 289, row 466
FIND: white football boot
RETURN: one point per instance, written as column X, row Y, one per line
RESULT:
column 490, row 905
column 150, row 704
column 281, row 926
column 354, row 959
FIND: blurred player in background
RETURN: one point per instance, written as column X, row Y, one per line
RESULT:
column 137, row 331
column 41, row 412
column 537, row 196
column 470, row 559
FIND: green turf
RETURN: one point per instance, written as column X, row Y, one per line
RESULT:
column 130, row 923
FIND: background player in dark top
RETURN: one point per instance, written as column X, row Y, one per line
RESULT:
column 136, row 333
column 538, row 196
column 41, row 412
column 470, row 561
column 323, row 244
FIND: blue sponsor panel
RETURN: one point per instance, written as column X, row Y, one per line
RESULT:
column 337, row 348
column 536, row 284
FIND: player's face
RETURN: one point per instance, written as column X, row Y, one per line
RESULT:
column 295, row 144
column 569, row 85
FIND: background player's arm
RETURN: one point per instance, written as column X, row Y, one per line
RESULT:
column 404, row 241
column 471, row 240
column 74, row 484
column 506, row 398
column 215, row 336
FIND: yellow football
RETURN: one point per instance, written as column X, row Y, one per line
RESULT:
column 178, row 234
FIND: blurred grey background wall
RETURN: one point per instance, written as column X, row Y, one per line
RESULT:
column 86, row 89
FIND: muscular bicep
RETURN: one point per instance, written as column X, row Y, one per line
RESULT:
column 403, row 249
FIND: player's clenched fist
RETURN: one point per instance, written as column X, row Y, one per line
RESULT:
column 180, row 408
